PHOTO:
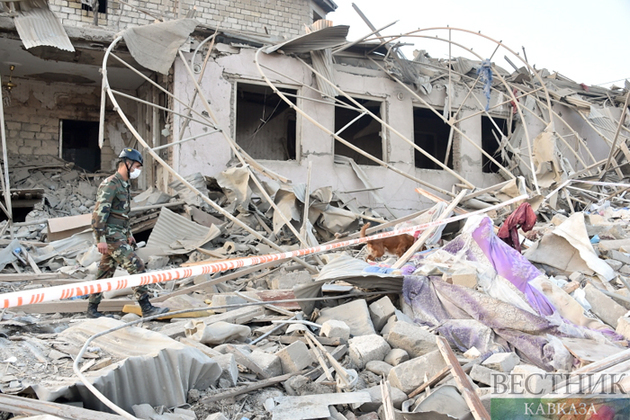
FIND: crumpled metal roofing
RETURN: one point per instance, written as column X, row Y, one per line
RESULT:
column 318, row 40
column 151, row 368
column 174, row 234
column 37, row 26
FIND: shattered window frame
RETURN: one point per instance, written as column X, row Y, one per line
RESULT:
column 366, row 121
column 422, row 162
column 487, row 140
column 293, row 119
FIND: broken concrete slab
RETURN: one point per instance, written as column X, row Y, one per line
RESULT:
column 618, row 256
column 380, row 311
column 367, row 348
column 502, row 362
column 355, row 314
column 286, row 280
column 237, row 316
column 537, row 381
column 295, row 357
column 335, row 328
column 486, row 376
column 604, row 307
column 409, row 375
column 216, row 333
column 397, row 396
column 269, row 363
column 396, row 357
column 415, row 340
column 314, row 406
column 378, row 367
column 229, row 370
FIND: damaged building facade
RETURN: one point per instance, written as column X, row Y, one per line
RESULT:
column 54, row 107
column 269, row 142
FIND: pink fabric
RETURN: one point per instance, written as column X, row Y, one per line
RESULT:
column 523, row 217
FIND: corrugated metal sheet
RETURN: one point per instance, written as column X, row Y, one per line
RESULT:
column 318, row 40
column 175, row 235
column 147, row 367
column 38, row 26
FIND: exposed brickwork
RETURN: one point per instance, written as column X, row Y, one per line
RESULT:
column 33, row 116
column 274, row 17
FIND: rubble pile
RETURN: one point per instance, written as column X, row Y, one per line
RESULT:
column 451, row 317
column 527, row 284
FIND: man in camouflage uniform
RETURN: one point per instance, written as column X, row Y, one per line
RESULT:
column 112, row 233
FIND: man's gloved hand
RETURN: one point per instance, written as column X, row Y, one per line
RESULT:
column 132, row 241
column 102, row 247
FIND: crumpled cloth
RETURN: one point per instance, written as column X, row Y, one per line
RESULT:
column 523, row 217
column 511, row 265
column 466, row 318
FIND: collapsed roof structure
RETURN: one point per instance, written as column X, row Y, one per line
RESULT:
column 271, row 142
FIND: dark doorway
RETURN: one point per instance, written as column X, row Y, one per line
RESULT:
column 430, row 133
column 79, row 144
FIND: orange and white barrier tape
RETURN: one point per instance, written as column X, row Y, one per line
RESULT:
column 26, row 297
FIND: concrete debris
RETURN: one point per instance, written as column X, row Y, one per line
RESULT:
column 427, row 330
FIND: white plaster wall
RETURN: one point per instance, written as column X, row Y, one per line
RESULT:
column 212, row 155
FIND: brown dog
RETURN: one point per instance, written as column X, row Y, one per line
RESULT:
column 396, row 245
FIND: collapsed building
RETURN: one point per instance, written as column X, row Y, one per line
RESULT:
column 264, row 128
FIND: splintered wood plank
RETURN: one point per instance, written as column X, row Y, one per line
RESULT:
column 463, row 381
column 73, row 306
column 135, row 309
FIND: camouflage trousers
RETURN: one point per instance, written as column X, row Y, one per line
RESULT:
column 120, row 254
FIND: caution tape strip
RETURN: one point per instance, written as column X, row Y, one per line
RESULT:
column 27, row 297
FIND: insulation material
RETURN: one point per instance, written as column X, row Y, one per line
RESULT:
column 155, row 46
column 551, row 167
column 152, row 368
column 235, row 185
column 176, row 235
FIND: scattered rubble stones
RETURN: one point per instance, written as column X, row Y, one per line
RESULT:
column 409, row 375
column 355, row 314
column 335, row 328
column 380, row 311
column 502, row 362
column 295, row 357
column 366, row 348
column 415, row 340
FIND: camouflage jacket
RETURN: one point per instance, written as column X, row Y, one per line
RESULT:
column 110, row 219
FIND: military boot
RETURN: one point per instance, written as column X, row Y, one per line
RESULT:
column 148, row 309
column 92, row 311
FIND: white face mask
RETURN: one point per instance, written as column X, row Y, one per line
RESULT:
column 135, row 174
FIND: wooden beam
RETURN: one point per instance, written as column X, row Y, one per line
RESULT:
column 74, row 306
column 463, row 382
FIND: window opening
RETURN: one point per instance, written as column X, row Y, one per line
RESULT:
column 490, row 138
column 102, row 5
column 363, row 132
column 430, row 133
column 265, row 124
column 79, row 144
